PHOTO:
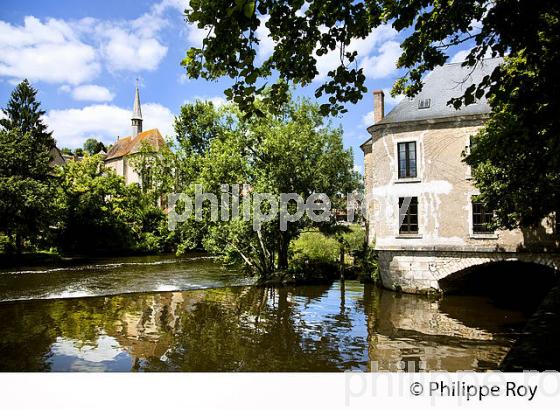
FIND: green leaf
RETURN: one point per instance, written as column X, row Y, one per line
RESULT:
column 249, row 9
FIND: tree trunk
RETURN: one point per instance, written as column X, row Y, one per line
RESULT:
column 283, row 246
column 341, row 263
column 19, row 243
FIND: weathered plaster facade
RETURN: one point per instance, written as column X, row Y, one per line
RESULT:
column 444, row 191
column 122, row 167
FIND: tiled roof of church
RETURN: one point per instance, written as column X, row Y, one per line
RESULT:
column 130, row 145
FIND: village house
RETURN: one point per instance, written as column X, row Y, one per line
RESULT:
column 118, row 157
column 423, row 215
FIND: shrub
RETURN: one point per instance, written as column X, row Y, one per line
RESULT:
column 313, row 246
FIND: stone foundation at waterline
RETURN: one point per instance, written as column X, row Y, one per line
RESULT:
column 421, row 271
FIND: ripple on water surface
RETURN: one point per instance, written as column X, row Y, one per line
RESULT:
column 115, row 276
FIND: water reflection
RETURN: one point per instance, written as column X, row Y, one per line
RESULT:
column 310, row 328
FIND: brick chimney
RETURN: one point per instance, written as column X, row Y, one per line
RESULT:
column 378, row 106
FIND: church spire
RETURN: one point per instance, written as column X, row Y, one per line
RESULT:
column 136, row 114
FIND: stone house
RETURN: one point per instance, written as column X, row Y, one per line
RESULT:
column 422, row 210
column 118, row 157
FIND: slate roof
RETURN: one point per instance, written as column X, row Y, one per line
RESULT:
column 442, row 84
column 130, row 145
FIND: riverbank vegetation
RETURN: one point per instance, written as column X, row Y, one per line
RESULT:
column 287, row 150
column 81, row 207
column 84, row 208
column 341, row 251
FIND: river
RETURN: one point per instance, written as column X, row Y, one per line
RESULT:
column 190, row 314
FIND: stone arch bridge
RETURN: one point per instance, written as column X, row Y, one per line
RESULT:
column 418, row 271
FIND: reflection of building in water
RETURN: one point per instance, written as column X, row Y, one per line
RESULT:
column 149, row 332
column 412, row 330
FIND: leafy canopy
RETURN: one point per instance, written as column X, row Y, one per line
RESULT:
column 302, row 31
column 92, row 146
column 516, row 158
column 291, row 150
column 100, row 213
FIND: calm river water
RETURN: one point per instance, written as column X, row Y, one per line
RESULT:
column 192, row 315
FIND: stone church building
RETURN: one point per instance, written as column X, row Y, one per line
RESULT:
column 124, row 148
column 422, row 210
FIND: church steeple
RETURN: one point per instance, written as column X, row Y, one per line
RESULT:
column 136, row 114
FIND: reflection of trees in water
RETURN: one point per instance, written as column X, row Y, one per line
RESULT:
column 307, row 328
column 25, row 339
column 242, row 329
column 30, row 328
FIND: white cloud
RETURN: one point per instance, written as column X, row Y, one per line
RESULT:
column 71, row 127
column 389, row 100
column 195, row 35
column 48, row 51
column 266, row 44
column 162, row 6
column 89, row 93
column 216, row 100
column 460, row 56
column 383, row 64
column 380, row 38
column 134, row 45
column 183, row 78
column 74, row 52
column 367, row 119
column 125, row 48
column 158, row 116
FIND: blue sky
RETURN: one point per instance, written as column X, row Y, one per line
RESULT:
column 84, row 58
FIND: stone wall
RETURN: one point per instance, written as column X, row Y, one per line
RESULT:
column 412, row 271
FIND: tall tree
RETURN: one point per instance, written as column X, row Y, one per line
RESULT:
column 196, row 125
column 23, row 112
column 522, row 133
column 284, row 152
column 92, row 146
column 26, row 190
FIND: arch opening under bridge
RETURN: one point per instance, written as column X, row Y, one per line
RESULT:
column 508, row 282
